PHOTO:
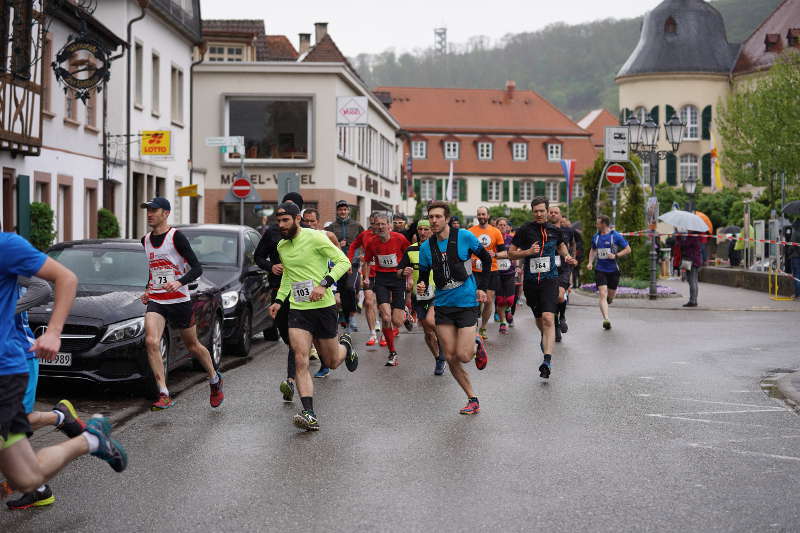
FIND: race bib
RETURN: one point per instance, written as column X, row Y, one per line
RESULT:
column 539, row 265
column 558, row 260
column 160, row 277
column 602, row 253
column 478, row 265
column 301, row 290
column 387, row 261
column 504, row 264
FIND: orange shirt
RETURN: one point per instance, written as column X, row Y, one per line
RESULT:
column 490, row 238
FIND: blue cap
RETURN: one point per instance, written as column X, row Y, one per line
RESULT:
column 157, row 203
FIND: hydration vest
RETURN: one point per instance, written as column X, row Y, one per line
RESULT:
column 454, row 271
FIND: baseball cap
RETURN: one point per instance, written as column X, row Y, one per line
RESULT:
column 157, row 203
column 294, row 197
column 424, row 223
column 341, row 203
column 288, row 208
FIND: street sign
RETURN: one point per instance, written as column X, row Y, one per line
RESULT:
column 235, row 140
column 241, row 188
column 288, row 182
column 615, row 174
column 351, row 110
column 189, row 190
column 155, row 143
column 617, row 144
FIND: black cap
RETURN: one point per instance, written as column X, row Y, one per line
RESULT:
column 294, row 197
column 399, row 216
column 341, row 203
column 157, row 203
column 288, row 208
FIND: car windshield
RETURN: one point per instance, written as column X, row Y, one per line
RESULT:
column 95, row 266
column 214, row 248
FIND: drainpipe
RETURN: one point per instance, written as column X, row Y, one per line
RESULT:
column 106, row 180
column 143, row 4
column 202, row 48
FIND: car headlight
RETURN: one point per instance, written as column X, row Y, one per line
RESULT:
column 230, row 299
column 127, row 329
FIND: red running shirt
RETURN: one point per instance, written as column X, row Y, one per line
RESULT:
column 387, row 254
column 361, row 242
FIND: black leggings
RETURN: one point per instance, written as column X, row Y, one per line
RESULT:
column 347, row 294
column 282, row 323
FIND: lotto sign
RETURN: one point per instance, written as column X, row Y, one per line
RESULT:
column 615, row 174
column 351, row 110
column 155, row 143
column 241, row 188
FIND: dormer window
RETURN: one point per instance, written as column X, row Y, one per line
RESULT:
column 222, row 53
column 670, row 26
column 773, row 42
column 793, row 37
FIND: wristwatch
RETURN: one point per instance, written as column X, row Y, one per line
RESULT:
column 326, row 282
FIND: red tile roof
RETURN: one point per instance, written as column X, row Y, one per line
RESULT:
column 596, row 122
column 254, row 27
column 753, row 55
column 278, row 48
column 325, row 51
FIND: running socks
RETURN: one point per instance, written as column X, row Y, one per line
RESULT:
column 308, row 403
column 214, row 380
column 59, row 417
column 388, row 334
column 92, row 441
column 547, row 358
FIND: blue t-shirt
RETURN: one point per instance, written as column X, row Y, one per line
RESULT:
column 610, row 242
column 19, row 258
column 464, row 295
column 22, row 327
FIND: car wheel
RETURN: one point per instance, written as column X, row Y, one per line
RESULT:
column 244, row 342
column 151, row 388
column 272, row 334
column 216, row 342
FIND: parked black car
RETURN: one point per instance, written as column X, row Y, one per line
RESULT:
column 103, row 337
column 226, row 253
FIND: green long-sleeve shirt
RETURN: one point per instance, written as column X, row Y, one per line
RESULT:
column 305, row 259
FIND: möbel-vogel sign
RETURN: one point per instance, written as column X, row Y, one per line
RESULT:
column 351, row 110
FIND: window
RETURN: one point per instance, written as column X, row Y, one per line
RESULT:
column 520, row 151
column 670, row 26
column 177, row 95
column 495, row 191
column 577, row 191
column 551, row 191
column 138, row 60
column 526, row 191
column 71, row 106
column 688, row 167
column 553, row 152
column 279, row 129
column 451, row 150
column 229, row 53
column 645, row 173
column 485, row 151
column 91, row 109
column 155, row 82
column 419, row 149
column 456, row 189
column 427, row 190
column 689, row 116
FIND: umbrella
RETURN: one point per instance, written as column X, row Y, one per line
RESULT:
column 792, row 208
column 732, row 229
column 685, row 220
column 706, row 220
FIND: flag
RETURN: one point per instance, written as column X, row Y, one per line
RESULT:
column 448, row 195
column 409, row 177
column 716, row 173
column 568, row 168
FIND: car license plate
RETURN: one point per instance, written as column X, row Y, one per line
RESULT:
column 61, row 359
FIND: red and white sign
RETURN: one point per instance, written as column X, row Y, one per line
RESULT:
column 352, row 110
column 241, row 188
column 615, row 174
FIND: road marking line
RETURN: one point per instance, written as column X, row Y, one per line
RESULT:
column 680, row 362
column 768, row 410
column 745, row 452
column 725, row 422
column 717, row 403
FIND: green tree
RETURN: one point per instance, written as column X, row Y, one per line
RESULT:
column 42, row 230
column 107, row 225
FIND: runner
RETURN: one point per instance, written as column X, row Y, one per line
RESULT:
column 387, row 249
column 173, row 265
column 607, row 247
column 491, row 239
column 346, row 230
column 367, row 281
column 457, row 295
column 24, row 469
column 423, row 303
column 537, row 243
column 305, row 289
column 506, row 273
column 564, row 270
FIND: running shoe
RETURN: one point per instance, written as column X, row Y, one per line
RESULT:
column 439, row 370
column 163, row 402
column 216, row 392
column 37, row 498
column 606, row 324
column 383, row 342
column 313, row 355
column 563, row 323
column 322, row 372
column 408, row 323
column 510, row 318
column 481, row 358
column 71, row 426
column 306, row 420
column 504, row 329
column 544, row 369
column 351, row 359
column 496, row 317
column 109, row 450
column 392, row 360
column 372, row 340
column 558, row 334
column 472, row 408
column 483, row 334
column 287, row 389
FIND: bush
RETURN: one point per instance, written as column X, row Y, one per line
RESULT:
column 107, row 225
column 42, row 231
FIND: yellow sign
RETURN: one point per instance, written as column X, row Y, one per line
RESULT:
column 155, row 143
column 189, row 190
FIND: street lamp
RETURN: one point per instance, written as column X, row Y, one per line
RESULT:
column 643, row 140
column 690, row 186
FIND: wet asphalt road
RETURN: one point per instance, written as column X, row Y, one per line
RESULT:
column 658, row 425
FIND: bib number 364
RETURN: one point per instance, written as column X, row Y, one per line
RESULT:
column 540, row 265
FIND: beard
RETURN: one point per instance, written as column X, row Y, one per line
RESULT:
column 290, row 232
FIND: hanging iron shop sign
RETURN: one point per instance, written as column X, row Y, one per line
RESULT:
column 82, row 65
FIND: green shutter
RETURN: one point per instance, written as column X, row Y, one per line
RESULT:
column 462, row 190
column 417, row 189
column 484, row 191
column 538, row 188
column 707, row 170
column 624, row 113
column 440, row 189
column 516, row 191
column 707, row 122
column 672, row 169
column 562, row 192
column 506, row 188
column 670, row 112
column 654, row 114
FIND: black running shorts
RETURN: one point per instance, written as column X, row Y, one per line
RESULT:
column 178, row 316
column 322, row 323
column 564, row 276
column 460, row 317
column 541, row 297
column 610, row 279
column 13, row 419
column 389, row 289
column 505, row 286
column 421, row 308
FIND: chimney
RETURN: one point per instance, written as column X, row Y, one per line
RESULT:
column 320, row 30
column 510, row 86
column 305, row 43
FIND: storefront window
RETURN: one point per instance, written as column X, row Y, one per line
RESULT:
column 272, row 128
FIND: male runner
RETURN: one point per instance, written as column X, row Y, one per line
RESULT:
column 564, row 270
column 423, row 303
column 305, row 289
column 346, row 230
column 537, row 243
column 367, row 280
column 24, row 469
column 173, row 265
column 506, row 273
column 491, row 239
column 457, row 295
column 387, row 249
column 607, row 246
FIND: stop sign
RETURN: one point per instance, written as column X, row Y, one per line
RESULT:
column 241, row 188
column 615, row 174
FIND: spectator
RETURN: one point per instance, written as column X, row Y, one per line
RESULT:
column 793, row 257
column 691, row 260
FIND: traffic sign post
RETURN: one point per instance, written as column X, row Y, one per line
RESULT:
column 241, row 189
column 617, row 147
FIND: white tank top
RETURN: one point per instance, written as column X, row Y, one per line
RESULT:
column 165, row 265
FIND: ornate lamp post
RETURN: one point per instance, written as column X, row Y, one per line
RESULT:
column 643, row 140
column 690, row 186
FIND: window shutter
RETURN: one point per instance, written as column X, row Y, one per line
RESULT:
column 484, row 191
column 538, row 188
column 654, row 114
column 462, row 190
column 707, row 122
column 624, row 113
column 670, row 112
column 440, row 189
column 417, row 189
column 672, row 174
column 516, row 191
column 707, row 170
column 506, row 188
column 562, row 192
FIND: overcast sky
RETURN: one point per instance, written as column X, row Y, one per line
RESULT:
column 362, row 26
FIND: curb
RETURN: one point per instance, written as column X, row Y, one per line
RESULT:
column 791, row 395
